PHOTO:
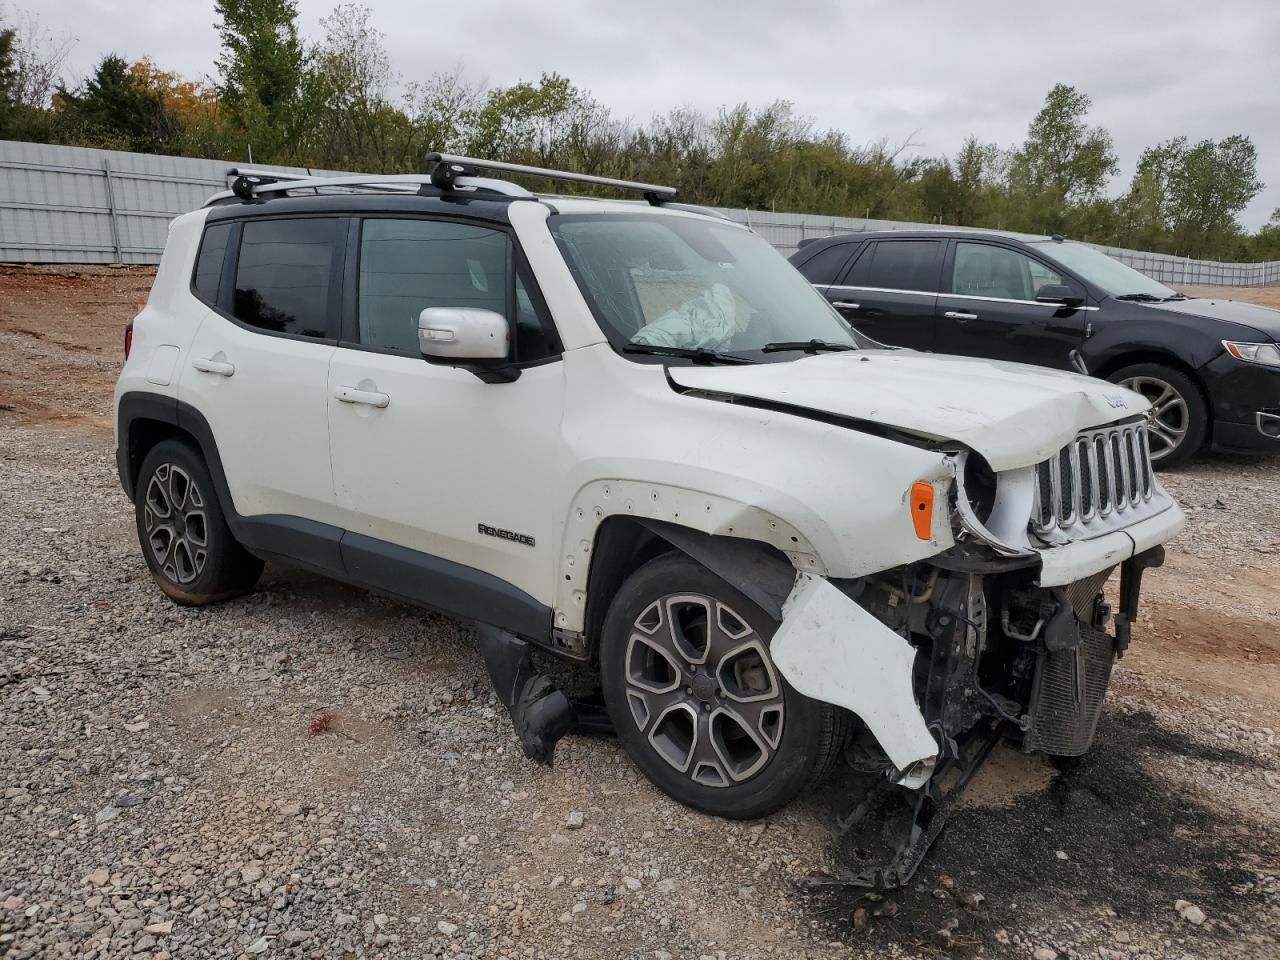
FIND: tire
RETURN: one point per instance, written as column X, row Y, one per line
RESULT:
column 184, row 536
column 1181, row 413
column 688, row 731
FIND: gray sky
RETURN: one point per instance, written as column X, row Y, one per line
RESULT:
column 924, row 71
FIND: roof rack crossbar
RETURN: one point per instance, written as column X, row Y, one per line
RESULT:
column 450, row 169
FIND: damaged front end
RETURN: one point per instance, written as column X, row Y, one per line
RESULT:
column 991, row 654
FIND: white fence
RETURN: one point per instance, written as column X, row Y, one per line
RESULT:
column 76, row 205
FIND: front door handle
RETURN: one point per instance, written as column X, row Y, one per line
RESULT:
column 846, row 305
column 368, row 397
column 960, row 315
column 219, row 367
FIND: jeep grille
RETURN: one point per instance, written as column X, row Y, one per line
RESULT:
column 1099, row 482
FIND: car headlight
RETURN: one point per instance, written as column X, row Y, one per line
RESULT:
column 1265, row 353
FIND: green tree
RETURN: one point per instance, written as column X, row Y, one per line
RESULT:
column 30, row 61
column 261, row 68
column 1063, row 162
column 8, row 83
column 344, row 103
column 116, row 109
column 1265, row 244
column 1186, row 198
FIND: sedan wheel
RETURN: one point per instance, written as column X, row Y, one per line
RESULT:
column 1170, row 418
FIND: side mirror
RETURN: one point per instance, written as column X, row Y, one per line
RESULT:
column 1059, row 293
column 473, row 339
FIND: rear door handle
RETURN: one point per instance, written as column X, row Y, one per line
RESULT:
column 960, row 315
column 368, row 397
column 846, row 305
column 219, row 367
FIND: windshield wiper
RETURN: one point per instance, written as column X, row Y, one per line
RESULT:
column 1142, row 297
column 696, row 354
column 808, row 346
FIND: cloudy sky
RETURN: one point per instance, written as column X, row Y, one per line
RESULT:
column 926, row 72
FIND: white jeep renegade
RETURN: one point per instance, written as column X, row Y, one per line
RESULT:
column 630, row 433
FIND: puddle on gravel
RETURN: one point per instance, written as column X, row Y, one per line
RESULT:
column 1135, row 843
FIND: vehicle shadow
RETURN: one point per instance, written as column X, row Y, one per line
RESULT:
column 1116, row 837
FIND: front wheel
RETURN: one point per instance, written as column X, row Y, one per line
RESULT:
column 184, row 536
column 696, row 700
column 1180, row 416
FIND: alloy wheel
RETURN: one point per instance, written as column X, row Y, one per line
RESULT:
column 701, row 688
column 175, row 524
column 1170, row 418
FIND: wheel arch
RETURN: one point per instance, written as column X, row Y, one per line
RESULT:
column 623, row 544
column 1129, row 357
column 1132, row 357
column 144, row 420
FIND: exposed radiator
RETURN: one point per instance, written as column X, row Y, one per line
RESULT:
column 1066, row 697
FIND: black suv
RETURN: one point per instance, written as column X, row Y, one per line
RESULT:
column 1211, row 368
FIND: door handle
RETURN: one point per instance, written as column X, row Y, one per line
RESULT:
column 846, row 305
column 219, row 367
column 368, row 397
column 960, row 315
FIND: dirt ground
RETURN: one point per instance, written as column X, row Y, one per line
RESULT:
column 162, row 766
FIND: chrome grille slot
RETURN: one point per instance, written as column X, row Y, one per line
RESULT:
column 1044, row 494
column 1117, row 470
column 1104, row 474
column 1099, row 482
column 1088, row 490
column 1066, row 486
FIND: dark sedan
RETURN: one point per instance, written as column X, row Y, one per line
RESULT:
column 1211, row 368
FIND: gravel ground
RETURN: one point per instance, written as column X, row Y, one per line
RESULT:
column 311, row 771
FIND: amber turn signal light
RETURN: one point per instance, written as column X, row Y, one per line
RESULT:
column 922, row 508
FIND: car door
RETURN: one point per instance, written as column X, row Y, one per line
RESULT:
column 988, row 307
column 257, row 369
column 890, row 291
column 434, row 469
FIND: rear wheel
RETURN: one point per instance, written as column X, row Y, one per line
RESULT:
column 184, row 536
column 1180, row 416
column 696, row 700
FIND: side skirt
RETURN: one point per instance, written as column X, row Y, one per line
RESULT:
column 422, row 579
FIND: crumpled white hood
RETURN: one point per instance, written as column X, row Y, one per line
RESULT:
column 1013, row 414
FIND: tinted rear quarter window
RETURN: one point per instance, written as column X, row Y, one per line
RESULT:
column 213, row 249
column 828, row 263
column 283, row 275
column 901, row 265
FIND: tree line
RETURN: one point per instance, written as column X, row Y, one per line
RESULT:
column 333, row 102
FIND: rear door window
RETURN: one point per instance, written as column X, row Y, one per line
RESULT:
column 828, row 263
column 900, row 265
column 284, row 275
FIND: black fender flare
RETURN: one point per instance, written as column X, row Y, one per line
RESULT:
column 758, row 570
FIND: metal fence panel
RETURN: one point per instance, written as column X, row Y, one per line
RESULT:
column 77, row 205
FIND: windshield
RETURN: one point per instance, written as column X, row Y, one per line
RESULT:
column 662, row 282
column 1114, row 277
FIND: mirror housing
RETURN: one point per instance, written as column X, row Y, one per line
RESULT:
column 1059, row 293
column 473, row 339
